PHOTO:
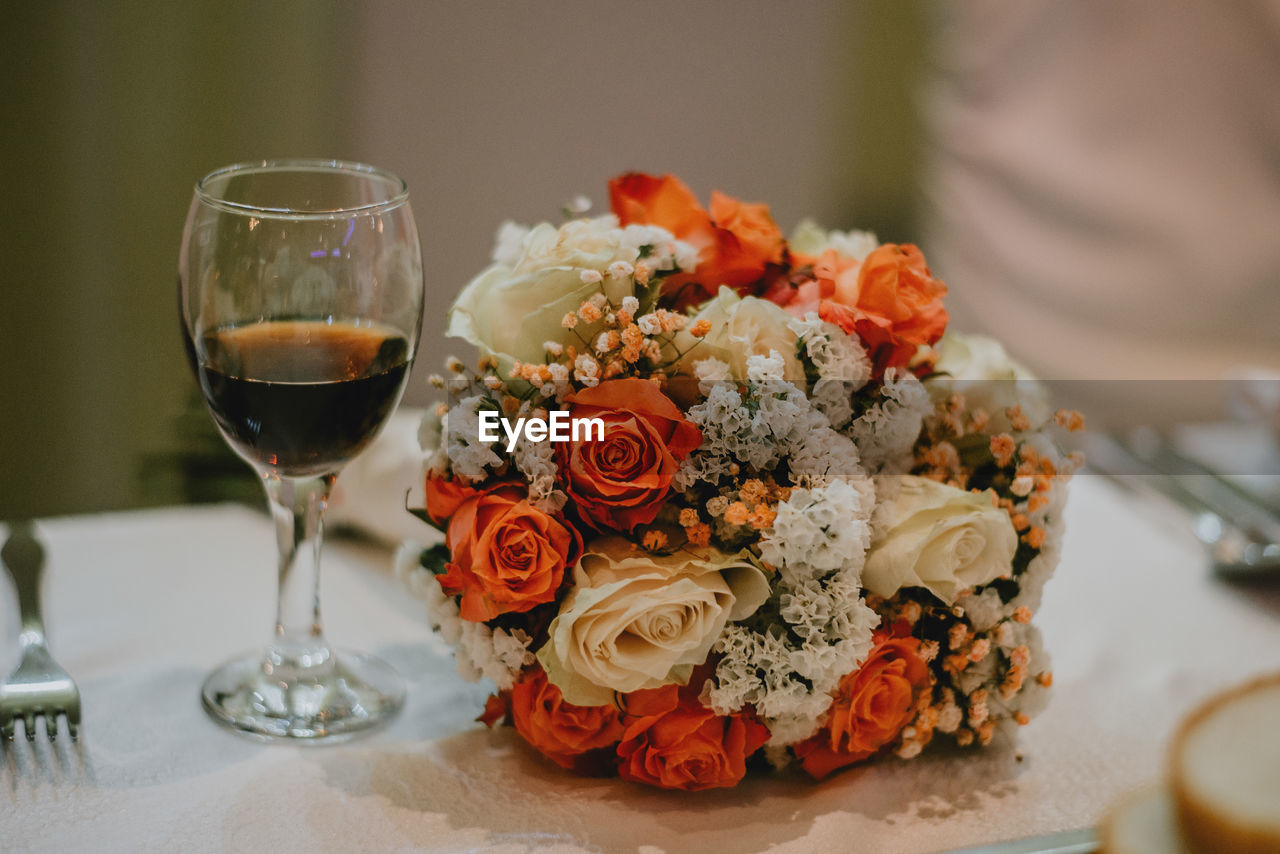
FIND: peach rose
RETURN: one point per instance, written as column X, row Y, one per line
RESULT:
column 570, row 736
column 736, row 241
column 506, row 555
column 898, row 306
column 619, row 482
column 871, row 706
column 834, row 279
column 673, row 741
column 889, row 299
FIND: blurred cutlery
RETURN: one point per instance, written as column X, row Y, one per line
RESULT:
column 1161, row 453
column 1241, row 536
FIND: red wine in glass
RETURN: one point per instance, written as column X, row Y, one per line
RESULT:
column 301, row 396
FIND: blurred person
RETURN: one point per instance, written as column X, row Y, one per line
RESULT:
column 1103, row 193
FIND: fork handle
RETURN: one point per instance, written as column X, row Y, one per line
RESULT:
column 24, row 558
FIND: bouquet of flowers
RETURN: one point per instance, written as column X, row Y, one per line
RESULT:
column 715, row 498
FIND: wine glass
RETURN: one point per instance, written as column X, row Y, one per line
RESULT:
column 300, row 283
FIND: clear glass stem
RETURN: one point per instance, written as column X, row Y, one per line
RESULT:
column 300, row 650
column 300, row 689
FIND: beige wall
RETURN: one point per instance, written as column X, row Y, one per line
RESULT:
column 508, row 110
column 491, row 110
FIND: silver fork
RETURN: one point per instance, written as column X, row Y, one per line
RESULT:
column 39, row 687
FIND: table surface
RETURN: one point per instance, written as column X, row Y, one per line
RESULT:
column 141, row 605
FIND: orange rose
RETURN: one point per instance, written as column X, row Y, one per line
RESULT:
column 872, row 705
column 674, row 742
column 619, row 482
column 898, row 305
column 736, row 242
column 506, row 555
column 445, row 496
column 495, row 708
column 568, row 735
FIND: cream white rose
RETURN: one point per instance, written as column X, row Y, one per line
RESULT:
column 811, row 239
column 944, row 539
column 637, row 620
column 742, row 327
column 518, row 303
column 979, row 368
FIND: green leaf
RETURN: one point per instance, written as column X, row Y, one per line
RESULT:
column 421, row 513
column 435, row 558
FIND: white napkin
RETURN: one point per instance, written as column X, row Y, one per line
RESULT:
column 370, row 495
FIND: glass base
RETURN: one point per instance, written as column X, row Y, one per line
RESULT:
column 349, row 694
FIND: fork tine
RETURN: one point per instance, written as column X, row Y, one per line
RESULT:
column 29, row 725
column 6, row 729
column 73, row 724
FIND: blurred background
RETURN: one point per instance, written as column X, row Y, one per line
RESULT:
column 1092, row 179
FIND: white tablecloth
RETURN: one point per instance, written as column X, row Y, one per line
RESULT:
column 141, row 605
